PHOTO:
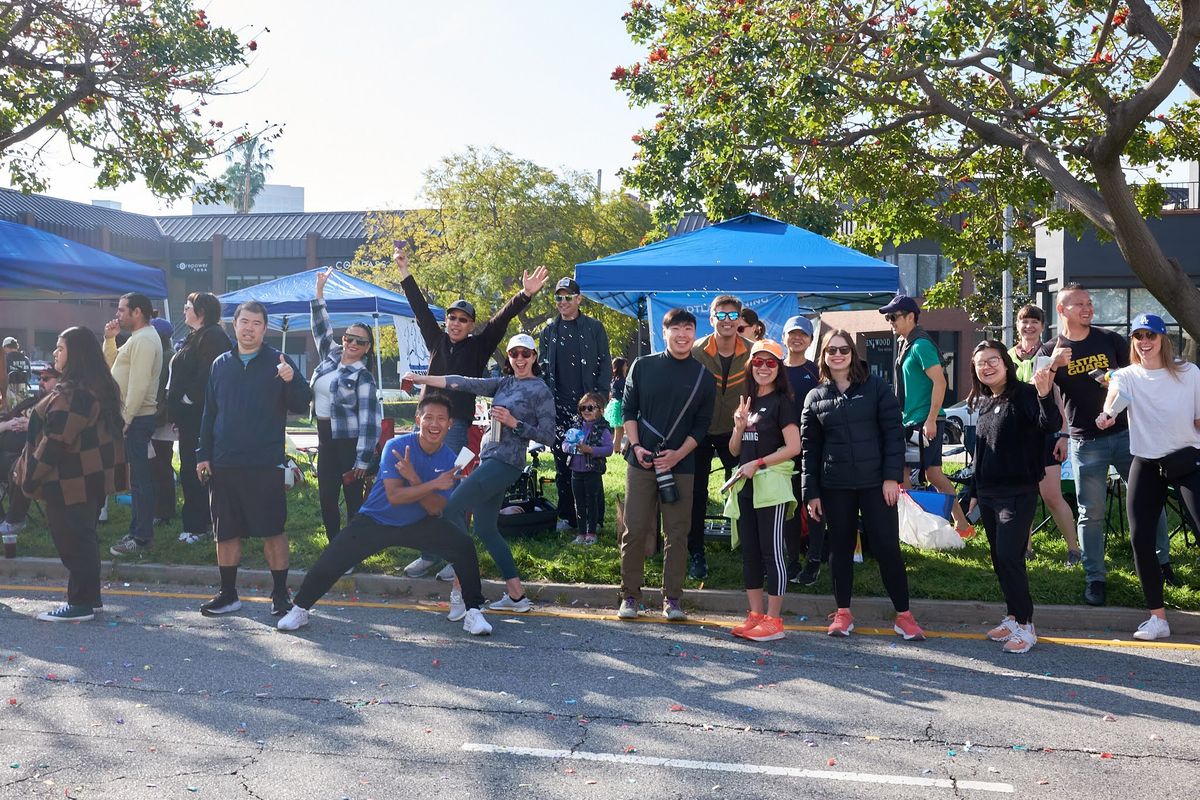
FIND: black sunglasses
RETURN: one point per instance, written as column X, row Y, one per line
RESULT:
column 892, row 317
column 563, row 298
column 589, row 408
column 1145, row 334
column 358, row 340
column 521, row 352
column 839, row 349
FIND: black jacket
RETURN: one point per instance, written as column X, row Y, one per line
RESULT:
column 188, row 373
column 853, row 440
column 469, row 357
column 1010, row 442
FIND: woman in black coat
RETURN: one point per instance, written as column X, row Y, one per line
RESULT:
column 186, row 389
column 853, row 460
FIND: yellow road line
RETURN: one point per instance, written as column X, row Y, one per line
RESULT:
column 610, row 617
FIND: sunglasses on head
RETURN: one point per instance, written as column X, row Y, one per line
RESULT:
column 358, row 340
column 1145, row 335
column 724, row 315
column 759, row 363
column 563, row 298
column 521, row 352
column 589, row 408
column 839, row 349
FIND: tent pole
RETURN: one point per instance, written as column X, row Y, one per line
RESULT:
column 283, row 338
column 378, row 356
column 167, row 309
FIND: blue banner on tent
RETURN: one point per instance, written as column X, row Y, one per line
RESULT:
column 772, row 309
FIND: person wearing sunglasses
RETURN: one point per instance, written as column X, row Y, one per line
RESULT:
column 724, row 354
column 574, row 360
column 346, row 405
column 589, row 448
column 853, row 460
column 1163, row 394
column 524, row 407
column 1014, row 418
column 766, row 439
column 1080, row 351
column 463, row 348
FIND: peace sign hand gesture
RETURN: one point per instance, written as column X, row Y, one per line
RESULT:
column 742, row 415
column 405, row 468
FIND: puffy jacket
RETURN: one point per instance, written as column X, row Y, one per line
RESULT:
column 853, row 440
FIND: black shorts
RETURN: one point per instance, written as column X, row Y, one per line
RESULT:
column 931, row 451
column 247, row 502
column 1050, row 460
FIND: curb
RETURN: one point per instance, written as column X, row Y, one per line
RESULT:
column 934, row 614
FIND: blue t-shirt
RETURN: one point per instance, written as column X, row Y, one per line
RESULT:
column 428, row 467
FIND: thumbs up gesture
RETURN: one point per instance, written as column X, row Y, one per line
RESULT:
column 285, row 369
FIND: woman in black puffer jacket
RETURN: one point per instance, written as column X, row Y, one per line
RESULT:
column 853, row 460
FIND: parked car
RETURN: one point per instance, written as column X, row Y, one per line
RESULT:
column 958, row 419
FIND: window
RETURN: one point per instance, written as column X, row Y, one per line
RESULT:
column 1110, row 306
column 1142, row 302
column 918, row 272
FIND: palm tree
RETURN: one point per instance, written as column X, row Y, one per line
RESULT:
column 246, row 175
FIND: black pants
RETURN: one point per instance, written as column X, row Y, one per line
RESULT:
column 881, row 529
column 195, row 513
column 162, row 471
column 793, row 532
column 1147, row 498
column 760, row 532
column 1007, row 521
column 713, row 444
column 73, row 529
column 335, row 457
column 363, row 537
column 588, row 489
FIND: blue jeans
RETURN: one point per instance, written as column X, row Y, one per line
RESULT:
column 141, row 482
column 456, row 439
column 1091, row 459
column 482, row 493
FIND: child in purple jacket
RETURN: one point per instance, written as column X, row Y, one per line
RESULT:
column 589, row 449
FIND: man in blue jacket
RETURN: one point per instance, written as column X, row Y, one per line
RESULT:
column 250, row 391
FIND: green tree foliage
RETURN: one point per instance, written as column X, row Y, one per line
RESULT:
column 124, row 82
column 246, row 176
column 923, row 119
column 490, row 216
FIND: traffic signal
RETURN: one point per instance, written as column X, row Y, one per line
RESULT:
column 1036, row 277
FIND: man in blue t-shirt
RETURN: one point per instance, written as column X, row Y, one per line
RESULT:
column 416, row 477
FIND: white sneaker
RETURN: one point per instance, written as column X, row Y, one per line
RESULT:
column 563, row 525
column 476, row 624
column 1022, row 640
column 1004, row 631
column 1153, row 628
column 506, row 603
column 103, row 513
column 446, row 573
column 419, row 566
column 293, row 620
column 11, row 527
column 458, row 609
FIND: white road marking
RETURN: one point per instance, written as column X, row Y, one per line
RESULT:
column 758, row 769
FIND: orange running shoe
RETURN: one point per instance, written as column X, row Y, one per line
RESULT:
column 907, row 627
column 770, row 629
column 752, row 620
column 843, row 623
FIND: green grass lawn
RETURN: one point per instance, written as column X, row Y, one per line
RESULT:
column 953, row 575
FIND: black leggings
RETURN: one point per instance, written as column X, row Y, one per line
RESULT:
column 1147, row 498
column 793, row 531
column 1007, row 521
column 335, row 457
column 760, row 531
column 588, row 489
column 363, row 537
column 881, row 528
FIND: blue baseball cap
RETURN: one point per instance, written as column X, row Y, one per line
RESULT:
column 798, row 323
column 901, row 303
column 1148, row 322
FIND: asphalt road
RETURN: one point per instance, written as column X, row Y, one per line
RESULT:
column 154, row 701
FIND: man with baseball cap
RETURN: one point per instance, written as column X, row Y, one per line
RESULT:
column 462, row 349
column 573, row 355
column 803, row 375
column 920, row 382
column 17, row 370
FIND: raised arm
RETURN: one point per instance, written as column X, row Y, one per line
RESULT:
column 322, row 331
column 431, row 332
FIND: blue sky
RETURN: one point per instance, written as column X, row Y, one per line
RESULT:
column 373, row 92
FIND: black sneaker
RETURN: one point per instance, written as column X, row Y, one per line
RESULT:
column 808, row 576
column 1094, row 594
column 221, row 604
column 698, row 570
column 1169, row 576
column 281, row 603
column 128, row 546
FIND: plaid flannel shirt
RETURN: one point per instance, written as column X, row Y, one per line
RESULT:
column 354, row 408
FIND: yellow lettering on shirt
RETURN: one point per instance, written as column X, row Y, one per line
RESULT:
column 1082, row 366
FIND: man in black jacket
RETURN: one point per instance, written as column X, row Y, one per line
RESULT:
column 462, row 349
column 251, row 389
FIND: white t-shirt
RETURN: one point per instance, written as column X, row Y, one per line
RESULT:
column 1162, row 408
column 322, row 398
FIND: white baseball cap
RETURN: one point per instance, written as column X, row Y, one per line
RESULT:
column 521, row 340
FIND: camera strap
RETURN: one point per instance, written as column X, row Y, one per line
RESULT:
column 682, row 411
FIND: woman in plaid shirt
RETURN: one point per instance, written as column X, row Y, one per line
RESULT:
column 73, row 459
column 347, row 409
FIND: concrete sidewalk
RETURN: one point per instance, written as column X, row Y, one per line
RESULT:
column 933, row 614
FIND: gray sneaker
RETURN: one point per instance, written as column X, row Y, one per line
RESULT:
column 506, row 603
column 672, row 610
column 128, row 546
column 446, row 574
column 419, row 566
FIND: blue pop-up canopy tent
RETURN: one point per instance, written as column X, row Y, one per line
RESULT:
column 37, row 265
column 347, row 299
column 747, row 255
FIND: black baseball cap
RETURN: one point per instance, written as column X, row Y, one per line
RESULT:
column 567, row 283
column 463, row 306
column 901, row 303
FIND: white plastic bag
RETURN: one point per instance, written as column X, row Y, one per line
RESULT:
column 923, row 530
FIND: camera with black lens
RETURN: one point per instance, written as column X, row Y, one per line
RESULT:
column 668, row 492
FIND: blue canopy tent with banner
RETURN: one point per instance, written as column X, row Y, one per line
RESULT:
column 347, row 299
column 751, row 256
column 38, row 265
